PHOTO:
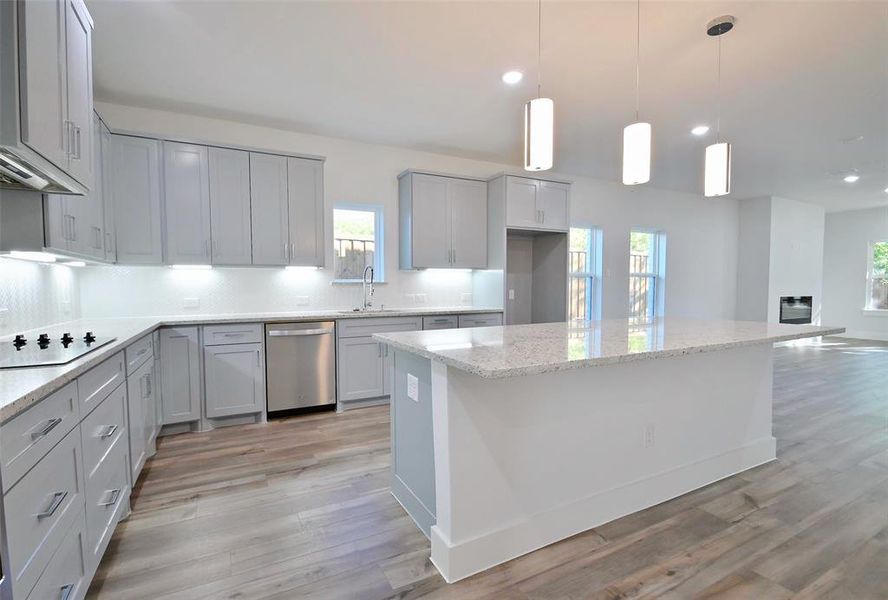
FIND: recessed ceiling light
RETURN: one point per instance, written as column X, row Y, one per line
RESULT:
column 512, row 77
column 851, row 178
column 700, row 130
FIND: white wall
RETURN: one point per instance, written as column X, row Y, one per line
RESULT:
column 702, row 233
column 753, row 269
column 35, row 294
column 846, row 243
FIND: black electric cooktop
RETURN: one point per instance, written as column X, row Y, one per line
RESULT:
column 43, row 351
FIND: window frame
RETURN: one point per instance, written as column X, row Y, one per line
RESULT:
column 870, row 277
column 378, row 211
column 593, row 273
column 657, row 277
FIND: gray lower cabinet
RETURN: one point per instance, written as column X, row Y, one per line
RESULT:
column 186, row 191
column 141, row 411
column 234, row 379
column 180, row 376
column 134, row 178
column 481, row 320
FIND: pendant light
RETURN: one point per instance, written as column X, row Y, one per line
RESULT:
column 539, row 118
column 717, row 168
column 637, row 137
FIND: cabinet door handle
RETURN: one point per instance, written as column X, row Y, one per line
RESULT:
column 73, row 228
column 114, row 495
column 454, row 256
column 44, row 431
column 258, row 359
column 148, row 384
column 77, row 136
column 108, row 432
column 57, row 500
column 378, row 350
column 97, row 237
column 66, row 591
column 286, row 252
column 386, row 350
column 69, row 138
column 108, row 246
column 544, row 216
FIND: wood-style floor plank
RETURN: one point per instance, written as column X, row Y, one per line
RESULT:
column 300, row 508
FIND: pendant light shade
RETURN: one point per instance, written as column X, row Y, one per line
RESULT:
column 637, row 153
column 539, row 134
column 717, row 170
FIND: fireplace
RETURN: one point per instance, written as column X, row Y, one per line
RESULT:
column 796, row 309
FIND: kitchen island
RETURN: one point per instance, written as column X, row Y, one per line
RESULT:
column 507, row 439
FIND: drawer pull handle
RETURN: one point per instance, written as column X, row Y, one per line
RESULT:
column 66, row 591
column 108, row 432
column 115, row 494
column 141, row 352
column 49, row 426
column 57, row 500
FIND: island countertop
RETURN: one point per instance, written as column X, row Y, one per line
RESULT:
column 516, row 350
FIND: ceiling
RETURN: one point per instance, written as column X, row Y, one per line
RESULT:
column 799, row 80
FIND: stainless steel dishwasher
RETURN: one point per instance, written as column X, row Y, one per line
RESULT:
column 300, row 365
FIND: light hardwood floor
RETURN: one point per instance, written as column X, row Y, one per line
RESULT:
column 301, row 509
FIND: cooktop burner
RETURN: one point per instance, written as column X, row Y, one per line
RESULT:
column 44, row 351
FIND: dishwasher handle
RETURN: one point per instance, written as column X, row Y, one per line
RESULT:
column 295, row 332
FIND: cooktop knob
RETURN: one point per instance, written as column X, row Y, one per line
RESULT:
column 43, row 341
column 90, row 337
column 19, row 341
column 67, row 339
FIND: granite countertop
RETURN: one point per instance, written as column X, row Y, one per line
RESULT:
column 515, row 350
column 23, row 387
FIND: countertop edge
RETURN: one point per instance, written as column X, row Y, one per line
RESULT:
column 35, row 395
column 560, row 366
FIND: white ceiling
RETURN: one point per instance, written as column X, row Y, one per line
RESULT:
column 798, row 79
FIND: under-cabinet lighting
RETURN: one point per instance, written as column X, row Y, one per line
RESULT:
column 191, row 267
column 300, row 268
column 74, row 263
column 44, row 257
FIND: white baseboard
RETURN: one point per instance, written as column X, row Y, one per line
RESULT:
column 472, row 556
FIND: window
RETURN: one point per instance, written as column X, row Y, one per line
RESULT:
column 584, row 296
column 357, row 241
column 877, row 277
column 647, row 258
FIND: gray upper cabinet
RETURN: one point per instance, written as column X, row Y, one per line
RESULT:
column 180, row 375
column 135, row 189
column 103, row 179
column 269, row 209
column 230, row 206
column 305, row 194
column 443, row 221
column 186, row 192
column 55, row 78
column 537, row 204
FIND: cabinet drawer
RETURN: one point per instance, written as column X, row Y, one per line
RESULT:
column 107, row 500
column 489, row 320
column 40, row 510
column 65, row 576
column 28, row 437
column 440, row 322
column 362, row 327
column 103, row 429
column 247, row 333
column 138, row 353
column 95, row 385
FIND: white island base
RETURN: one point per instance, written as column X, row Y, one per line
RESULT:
column 492, row 468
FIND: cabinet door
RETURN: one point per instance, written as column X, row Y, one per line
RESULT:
column 80, row 100
column 86, row 213
column 230, row 206
column 431, row 222
column 361, row 369
column 186, row 192
column 269, row 212
column 521, row 202
column 103, row 180
column 553, row 201
column 235, row 379
column 305, row 190
column 150, row 422
column 468, row 223
column 44, row 104
column 56, row 222
column 180, row 374
column 136, row 403
column 135, row 194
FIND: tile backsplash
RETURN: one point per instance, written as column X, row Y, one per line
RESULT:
column 34, row 295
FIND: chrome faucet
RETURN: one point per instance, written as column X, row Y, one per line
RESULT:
column 367, row 284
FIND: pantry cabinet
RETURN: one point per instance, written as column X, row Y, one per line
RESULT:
column 443, row 221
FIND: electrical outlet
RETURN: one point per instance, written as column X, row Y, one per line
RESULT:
column 412, row 387
column 511, row 294
column 411, row 298
column 648, row 436
column 466, row 299
column 421, row 298
column 190, row 302
column 302, row 301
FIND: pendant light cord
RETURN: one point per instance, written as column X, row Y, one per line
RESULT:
column 637, row 58
column 718, row 101
column 539, row 47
